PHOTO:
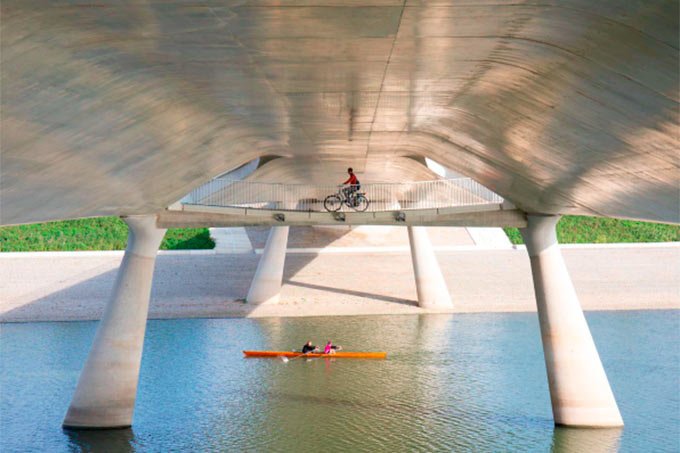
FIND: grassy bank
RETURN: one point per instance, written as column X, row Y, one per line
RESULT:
column 586, row 230
column 110, row 233
column 103, row 233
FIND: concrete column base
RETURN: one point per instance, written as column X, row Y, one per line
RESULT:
column 107, row 388
column 579, row 389
column 266, row 285
column 430, row 283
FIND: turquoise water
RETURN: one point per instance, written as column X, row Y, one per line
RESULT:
column 473, row 382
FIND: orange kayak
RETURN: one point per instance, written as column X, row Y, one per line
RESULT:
column 337, row 355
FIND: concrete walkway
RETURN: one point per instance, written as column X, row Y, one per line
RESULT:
column 75, row 286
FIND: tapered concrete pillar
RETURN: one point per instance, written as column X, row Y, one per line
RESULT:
column 106, row 391
column 430, row 283
column 266, row 285
column 579, row 389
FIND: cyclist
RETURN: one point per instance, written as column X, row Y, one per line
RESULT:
column 353, row 186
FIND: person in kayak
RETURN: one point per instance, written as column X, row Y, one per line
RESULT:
column 331, row 348
column 309, row 347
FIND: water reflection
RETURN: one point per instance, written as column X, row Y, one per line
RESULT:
column 434, row 331
column 105, row 440
column 576, row 440
column 450, row 383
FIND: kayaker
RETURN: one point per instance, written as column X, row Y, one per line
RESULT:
column 331, row 348
column 309, row 347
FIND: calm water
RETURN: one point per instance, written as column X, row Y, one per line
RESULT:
column 451, row 383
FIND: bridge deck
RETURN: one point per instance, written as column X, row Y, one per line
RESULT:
column 455, row 202
column 187, row 215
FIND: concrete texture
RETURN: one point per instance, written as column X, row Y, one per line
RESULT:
column 70, row 286
column 107, row 387
column 359, row 236
column 430, row 283
column 266, row 285
column 489, row 237
column 479, row 215
column 579, row 389
column 566, row 108
column 559, row 107
column 231, row 240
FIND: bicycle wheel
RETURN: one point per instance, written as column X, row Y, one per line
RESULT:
column 332, row 203
column 360, row 203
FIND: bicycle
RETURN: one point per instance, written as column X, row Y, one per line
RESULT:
column 355, row 200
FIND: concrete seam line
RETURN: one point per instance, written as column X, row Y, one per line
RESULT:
column 103, row 253
column 613, row 245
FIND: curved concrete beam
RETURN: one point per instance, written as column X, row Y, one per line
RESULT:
column 306, row 171
column 567, row 107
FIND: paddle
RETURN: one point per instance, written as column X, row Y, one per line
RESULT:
column 286, row 359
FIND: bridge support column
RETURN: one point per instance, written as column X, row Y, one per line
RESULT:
column 107, row 388
column 430, row 283
column 579, row 389
column 266, row 285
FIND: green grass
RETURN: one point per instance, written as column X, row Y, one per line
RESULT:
column 102, row 233
column 584, row 230
column 110, row 233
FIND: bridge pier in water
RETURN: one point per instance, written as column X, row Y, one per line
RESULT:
column 579, row 390
column 107, row 387
column 430, row 283
column 266, row 285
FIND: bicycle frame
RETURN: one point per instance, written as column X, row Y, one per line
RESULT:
column 342, row 193
column 348, row 196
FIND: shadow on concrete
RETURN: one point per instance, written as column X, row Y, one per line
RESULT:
column 355, row 293
column 186, row 285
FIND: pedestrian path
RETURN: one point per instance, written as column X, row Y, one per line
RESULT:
column 359, row 239
column 231, row 240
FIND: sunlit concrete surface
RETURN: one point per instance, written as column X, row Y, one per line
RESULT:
column 579, row 388
column 430, row 284
column 266, row 285
column 559, row 107
column 107, row 387
column 188, row 284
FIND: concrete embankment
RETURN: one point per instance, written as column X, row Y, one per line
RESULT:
column 368, row 280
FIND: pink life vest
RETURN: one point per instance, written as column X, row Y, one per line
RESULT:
column 328, row 349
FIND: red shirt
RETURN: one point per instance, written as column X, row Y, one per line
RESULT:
column 351, row 180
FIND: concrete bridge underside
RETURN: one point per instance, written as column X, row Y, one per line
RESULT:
column 120, row 109
column 566, row 107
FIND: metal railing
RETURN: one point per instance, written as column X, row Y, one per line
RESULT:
column 302, row 197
